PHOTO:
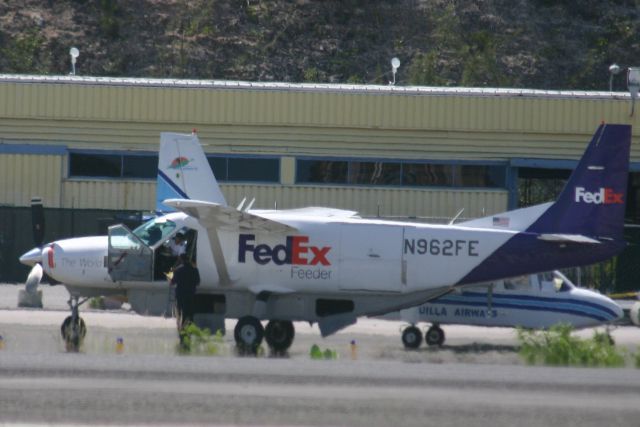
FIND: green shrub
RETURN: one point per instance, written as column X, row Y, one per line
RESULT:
column 317, row 354
column 97, row 303
column 27, row 53
column 558, row 347
column 311, row 75
column 194, row 340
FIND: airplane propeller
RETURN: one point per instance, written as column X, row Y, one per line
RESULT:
column 33, row 279
column 30, row 297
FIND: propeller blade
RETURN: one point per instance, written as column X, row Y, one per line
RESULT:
column 34, row 278
column 37, row 221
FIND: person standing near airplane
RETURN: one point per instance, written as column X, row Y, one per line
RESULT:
column 186, row 278
column 171, row 253
column 178, row 245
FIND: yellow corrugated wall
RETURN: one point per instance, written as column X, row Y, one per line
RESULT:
column 106, row 194
column 23, row 176
column 371, row 201
column 298, row 108
column 441, row 203
column 291, row 123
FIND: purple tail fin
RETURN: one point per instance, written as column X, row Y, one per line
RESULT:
column 592, row 202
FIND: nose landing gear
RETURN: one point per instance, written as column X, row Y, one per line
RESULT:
column 73, row 329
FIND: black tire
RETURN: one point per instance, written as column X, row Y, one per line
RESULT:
column 411, row 338
column 73, row 332
column 434, row 336
column 248, row 333
column 279, row 335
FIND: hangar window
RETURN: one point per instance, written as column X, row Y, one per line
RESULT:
column 322, row 171
column 219, row 167
column 411, row 174
column 97, row 165
column 426, row 175
column 239, row 169
column 143, row 166
column 540, row 185
column 479, row 176
column 374, row 173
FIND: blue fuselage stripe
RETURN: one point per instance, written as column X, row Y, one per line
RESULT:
column 557, row 305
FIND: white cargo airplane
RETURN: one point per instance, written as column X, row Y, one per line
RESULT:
column 536, row 301
column 330, row 266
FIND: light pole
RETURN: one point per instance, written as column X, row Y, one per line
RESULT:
column 74, row 52
column 633, row 83
column 614, row 69
column 395, row 64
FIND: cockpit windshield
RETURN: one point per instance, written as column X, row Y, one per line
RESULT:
column 155, row 230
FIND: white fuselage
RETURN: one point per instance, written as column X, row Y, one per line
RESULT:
column 528, row 302
column 377, row 265
column 344, row 255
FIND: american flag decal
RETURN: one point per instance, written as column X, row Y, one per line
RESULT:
column 500, row 221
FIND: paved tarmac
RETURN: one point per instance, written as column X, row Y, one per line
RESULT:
column 137, row 389
column 477, row 379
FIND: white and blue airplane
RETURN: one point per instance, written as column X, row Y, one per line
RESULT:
column 536, row 301
column 331, row 266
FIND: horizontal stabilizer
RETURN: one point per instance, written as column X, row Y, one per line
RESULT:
column 218, row 216
column 568, row 238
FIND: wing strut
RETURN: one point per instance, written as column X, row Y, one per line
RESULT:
column 218, row 257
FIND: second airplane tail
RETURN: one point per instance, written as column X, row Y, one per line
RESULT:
column 184, row 172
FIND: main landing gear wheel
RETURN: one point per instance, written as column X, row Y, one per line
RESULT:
column 279, row 335
column 434, row 336
column 411, row 338
column 248, row 334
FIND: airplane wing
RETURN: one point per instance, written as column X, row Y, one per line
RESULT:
column 567, row 238
column 214, row 215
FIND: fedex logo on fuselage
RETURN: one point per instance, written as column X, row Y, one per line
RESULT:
column 604, row 196
column 295, row 251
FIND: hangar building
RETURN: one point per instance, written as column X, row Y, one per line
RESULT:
column 91, row 143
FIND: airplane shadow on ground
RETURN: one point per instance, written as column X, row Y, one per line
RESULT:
column 474, row 348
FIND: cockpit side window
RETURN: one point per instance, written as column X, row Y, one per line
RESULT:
column 520, row 283
column 155, row 230
column 547, row 276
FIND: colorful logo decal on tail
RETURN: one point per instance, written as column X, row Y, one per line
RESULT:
column 179, row 163
column 604, row 196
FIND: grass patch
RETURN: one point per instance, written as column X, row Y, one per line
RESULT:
column 197, row 341
column 557, row 347
column 97, row 303
column 317, row 354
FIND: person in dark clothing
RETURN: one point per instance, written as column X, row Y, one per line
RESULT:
column 186, row 278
